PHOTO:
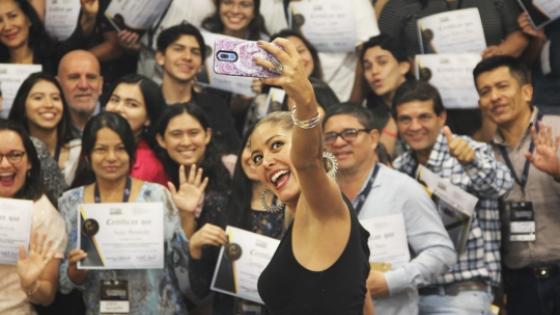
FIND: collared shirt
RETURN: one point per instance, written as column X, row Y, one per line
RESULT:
column 544, row 192
column 488, row 180
column 393, row 193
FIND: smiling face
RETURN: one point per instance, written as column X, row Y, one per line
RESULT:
column 181, row 60
column 236, row 15
column 270, row 155
column 383, row 73
column 14, row 25
column 127, row 100
column 14, row 164
column 109, row 159
column 502, row 97
column 185, row 139
column 43, row 106
column 355, row 152
column 419, row 126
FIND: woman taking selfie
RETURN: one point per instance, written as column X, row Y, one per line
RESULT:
column 34, row 278
column 139, row 100
column 108, row 149
column 321, row 264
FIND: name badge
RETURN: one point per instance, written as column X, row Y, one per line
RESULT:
column 522, row 225
column 114, row 297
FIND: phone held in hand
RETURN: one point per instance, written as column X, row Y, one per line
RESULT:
column 236, row 57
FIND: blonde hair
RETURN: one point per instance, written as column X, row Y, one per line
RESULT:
column 282, row 118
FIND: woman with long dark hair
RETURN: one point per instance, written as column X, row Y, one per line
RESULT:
column 237, row 18
column 40, row 107
column 34, row 279
column 139, row 100
column 108, row 148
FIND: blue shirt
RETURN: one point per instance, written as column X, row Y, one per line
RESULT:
column 393, row 193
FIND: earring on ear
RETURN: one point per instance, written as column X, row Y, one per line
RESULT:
column 275, row 207
column 331, row 164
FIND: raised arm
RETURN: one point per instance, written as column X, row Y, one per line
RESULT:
column 321, row 193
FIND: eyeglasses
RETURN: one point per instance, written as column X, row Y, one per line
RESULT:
column 347, row 135
column 13, row 157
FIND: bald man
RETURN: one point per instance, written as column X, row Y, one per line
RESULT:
column 79, row 74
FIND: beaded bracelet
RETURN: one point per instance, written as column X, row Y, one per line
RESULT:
column 307, row 123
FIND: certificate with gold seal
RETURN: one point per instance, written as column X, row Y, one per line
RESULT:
column 241, row 262
column 121, row 235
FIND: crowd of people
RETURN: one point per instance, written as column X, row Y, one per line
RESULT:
column 353, row 147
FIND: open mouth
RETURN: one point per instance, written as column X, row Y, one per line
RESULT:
column 280, row 178
column 7, row 179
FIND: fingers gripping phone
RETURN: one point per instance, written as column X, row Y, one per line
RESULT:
column 236, row 57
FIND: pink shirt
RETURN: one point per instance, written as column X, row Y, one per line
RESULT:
column 47, row 221
column 147, row 166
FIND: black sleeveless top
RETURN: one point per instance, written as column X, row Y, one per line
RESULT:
column 286, row 287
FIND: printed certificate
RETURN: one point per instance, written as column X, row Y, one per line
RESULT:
column 452, row 32
column 11, row 77
column 241, row 262
column 330, row 25
column 15, row 228
column 387, row 241
column 61, row 18
column 121, row 235
column 234, row 84
column 541, row 12
column 455, row 206
column 451, row 74
column 135, row 15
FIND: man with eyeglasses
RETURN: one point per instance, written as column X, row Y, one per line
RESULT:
column 471, row 166
column 376, row 191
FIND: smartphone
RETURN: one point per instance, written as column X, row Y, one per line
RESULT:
column 235, row 57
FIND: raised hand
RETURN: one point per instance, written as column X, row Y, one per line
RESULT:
column 545, row 156
column 129, row 40
column 458, row 147
column 528, row 28
column 31, row 265
column 209, row 234
column 191, row 189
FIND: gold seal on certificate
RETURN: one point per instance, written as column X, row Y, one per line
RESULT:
column 241, row 262
column 121, row 235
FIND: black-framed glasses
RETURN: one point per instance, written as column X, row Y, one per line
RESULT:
column 13, row 157
column 347, row 135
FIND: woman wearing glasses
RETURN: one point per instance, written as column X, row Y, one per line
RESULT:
column 35, row 276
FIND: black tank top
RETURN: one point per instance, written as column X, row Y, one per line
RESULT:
column 286, row 287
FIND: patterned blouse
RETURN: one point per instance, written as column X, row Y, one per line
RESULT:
column 151, row 291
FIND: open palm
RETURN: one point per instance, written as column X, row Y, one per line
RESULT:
column 31, row 265
column 545, row 157
column 191, row 188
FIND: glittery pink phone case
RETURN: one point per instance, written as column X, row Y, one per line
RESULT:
column 235, row 57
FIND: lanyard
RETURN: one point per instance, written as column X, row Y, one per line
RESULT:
column 521, row 181
column 365, row 192
column 126, row 192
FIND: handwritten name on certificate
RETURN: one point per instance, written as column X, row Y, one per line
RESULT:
column 330, row 25
column 61, row 18
column 239, row 85
column 451, row 74
column 241, row 262
column 457, row 31
column 387, row 240
column 121, row 235
column 15, row 228
column 541, row 12
column 11, row 77
column 135, row 14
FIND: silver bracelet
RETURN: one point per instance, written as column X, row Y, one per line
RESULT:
column 307, row 123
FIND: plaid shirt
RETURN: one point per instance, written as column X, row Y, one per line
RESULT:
column 488, row 180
